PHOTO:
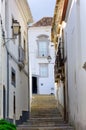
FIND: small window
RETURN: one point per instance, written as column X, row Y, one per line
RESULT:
column 43, row 45
column 43, row 69
column 13, row 77
column 42, row 49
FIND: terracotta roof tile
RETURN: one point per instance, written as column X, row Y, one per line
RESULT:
column 45, row 21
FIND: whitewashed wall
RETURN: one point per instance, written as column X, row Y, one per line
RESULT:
column 13, row 9
column 48, row 82
column 2, row 56
column 21, row 89
column 76, row 56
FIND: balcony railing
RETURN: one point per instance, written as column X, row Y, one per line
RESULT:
column 21, row 58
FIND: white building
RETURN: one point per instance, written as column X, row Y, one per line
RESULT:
column 76, row 59
column 2, row 16
column 14, row 87
column 40, row 47
column 74, row 33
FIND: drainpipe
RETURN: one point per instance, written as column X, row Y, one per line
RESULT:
column 7, row 85
column 28, row 73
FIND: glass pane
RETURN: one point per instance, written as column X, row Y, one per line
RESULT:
column 44, row 70
column 43, row 49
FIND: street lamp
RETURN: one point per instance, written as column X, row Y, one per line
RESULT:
column 16, row 31
column 15, row 27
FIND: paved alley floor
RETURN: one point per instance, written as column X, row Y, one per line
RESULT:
column 44, row 115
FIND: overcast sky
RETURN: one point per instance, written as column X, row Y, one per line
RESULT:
column 41, row 8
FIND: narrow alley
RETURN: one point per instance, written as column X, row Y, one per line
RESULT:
column 43, row 64
column 45, row 115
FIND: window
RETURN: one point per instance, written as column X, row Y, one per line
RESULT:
column 43, row 69
column 43, row 44
column 42, row 49
column 13, row 77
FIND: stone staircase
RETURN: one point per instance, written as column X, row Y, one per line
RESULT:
column 44, row 115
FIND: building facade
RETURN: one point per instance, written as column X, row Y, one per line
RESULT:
column 14, row 60
column 74, row 38
column 41, row 48
column 58, row 40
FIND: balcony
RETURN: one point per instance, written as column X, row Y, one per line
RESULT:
column 21, row 58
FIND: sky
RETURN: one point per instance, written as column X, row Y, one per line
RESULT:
column 41, row 8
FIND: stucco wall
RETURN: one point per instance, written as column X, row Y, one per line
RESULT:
column 48, row 82
column 2, row 57
column 76, row 56
column 14, row 11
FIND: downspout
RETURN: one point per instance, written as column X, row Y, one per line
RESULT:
column 28, row 73
column 7, row 85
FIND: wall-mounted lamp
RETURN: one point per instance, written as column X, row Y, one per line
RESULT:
column 16, row 31
column 16, row 28
column 49, row 58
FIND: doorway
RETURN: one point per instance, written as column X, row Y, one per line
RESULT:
column 34, row 85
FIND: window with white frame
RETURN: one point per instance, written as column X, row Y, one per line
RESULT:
column 43, row 44
column 43, row 70
column 42, row 49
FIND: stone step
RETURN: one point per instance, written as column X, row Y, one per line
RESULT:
column 45, row 123
column 44, row 111
column 45, row 115
column 46, row 119
column 42, row 115
column 46, row 128
column 59, row 119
